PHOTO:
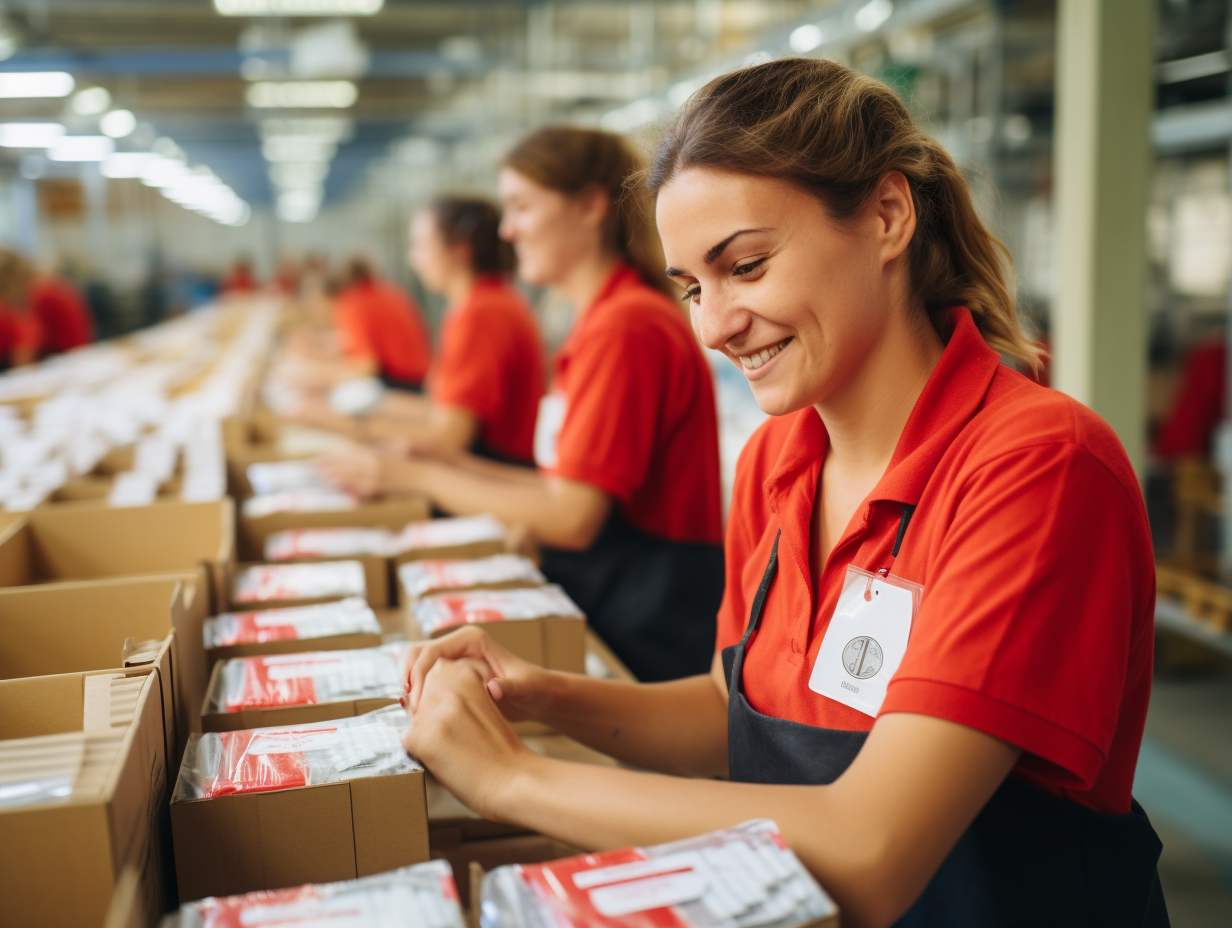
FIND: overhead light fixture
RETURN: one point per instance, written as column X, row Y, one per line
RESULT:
column 81, row 148
column 126, row 164
column 805, row 38
column 291, row 148
column 91, row 101
column 29, row 84
column 163, row 172
column 298, row 7
column 301, row 94
column 298, row 173
column 118, row 123
column 870, row 16
column 322, row 128
column 29, row 134
column 298, row 204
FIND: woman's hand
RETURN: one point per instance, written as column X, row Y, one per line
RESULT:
column 357, row 470
column 458, row 734
column 516, row 686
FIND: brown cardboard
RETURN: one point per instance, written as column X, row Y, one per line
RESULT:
column 465, row 552
column 59, row 860
column 90, row 540
column 378, row 589
column 490, row 853
column 293, row 646
column 391, row 513
column 128, row 905
column 554, row 642
column 312, row 834
column 615, row 667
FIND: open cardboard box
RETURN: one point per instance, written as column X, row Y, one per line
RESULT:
column 59, row 859
column 554, row 642
column 310, row 834
column 80, row 626
column 89, row 541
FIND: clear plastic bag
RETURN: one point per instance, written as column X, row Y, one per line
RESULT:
column 280, row 476
column 449, row 533
column 742, row 877
column 309, row 679
column 266, row 583
column 309, row 500
column 421, row 577
column 329, row 542
column 259, row 760
column 456, row 609
column 298, row 623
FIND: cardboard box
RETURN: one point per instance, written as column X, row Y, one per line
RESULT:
column 83, row 625
column 420, row 579
column 601, row 662
column 59, row 859
column 128, row 905
column 89, row 541
column 471, row 859
column 310, row 834
column 391, row 513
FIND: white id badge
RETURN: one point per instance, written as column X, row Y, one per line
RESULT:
column 552, row 409
column 866, row 640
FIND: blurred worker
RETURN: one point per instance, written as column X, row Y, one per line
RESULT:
column 1199, row 404
column 380, row 329
column 626, row 501
column 240, row 279
column 62, row 313
column 21, row 334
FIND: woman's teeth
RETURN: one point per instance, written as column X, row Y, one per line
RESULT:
column 751, row 362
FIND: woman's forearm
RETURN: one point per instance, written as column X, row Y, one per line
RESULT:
column 678, row 727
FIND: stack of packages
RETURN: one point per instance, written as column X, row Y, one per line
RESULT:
column 743, row 877
column 344, row 623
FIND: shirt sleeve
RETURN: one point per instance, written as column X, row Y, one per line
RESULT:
column 468, row 371
column 1024, row 631
column 616, row 382
column 353, row 335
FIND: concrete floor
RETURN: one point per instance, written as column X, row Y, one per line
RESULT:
column 1184, row 781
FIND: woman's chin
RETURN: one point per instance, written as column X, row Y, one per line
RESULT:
column 775, row 401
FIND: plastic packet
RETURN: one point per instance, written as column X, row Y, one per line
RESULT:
column 742, row 877
column 280, row 476
column 309, row 679
column 40, row 769
column 309, row 500
column 257, row 760
column 344, row 617
column 449, row 533
column 453, row 609
column 264, row 583
column 419, row 578
column 329, row 542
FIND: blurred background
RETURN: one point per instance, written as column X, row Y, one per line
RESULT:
column 157, row 153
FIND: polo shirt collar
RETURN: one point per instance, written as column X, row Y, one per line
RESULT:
column 954, row 393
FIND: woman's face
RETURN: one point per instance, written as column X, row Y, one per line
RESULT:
column 430, row 256
column 794, row 299
column 551, row 232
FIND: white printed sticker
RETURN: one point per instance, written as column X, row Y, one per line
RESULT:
column 655, row 892
column 552, row 410
column 292, row 742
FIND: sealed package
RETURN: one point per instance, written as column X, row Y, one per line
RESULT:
column 287, row 756
column 742, row 877
column 450, row 610
column 299, row 543
column 344, row 617
column 422, row 578
column 311, row 500
column 450, row 533
column 282, row 476
column 307, row 679
column 423, row 896
column 264, row 583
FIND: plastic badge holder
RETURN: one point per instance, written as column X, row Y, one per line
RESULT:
column 310, row 500
column 452, row 610
column 743, row 877
column 258, row 760
column 450, row 533
column 422, row 896
column 329, row 542
column 310, row 679
column 419, row 578
column 345, row 617
column 264, row 583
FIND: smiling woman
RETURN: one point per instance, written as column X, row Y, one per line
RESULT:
column 935, row 642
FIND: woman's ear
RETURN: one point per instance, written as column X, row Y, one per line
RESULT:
column 595, row 204
column 894, row 208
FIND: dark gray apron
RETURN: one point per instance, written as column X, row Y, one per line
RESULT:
column 1029, row 858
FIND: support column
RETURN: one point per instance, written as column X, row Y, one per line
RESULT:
column 1102, row 160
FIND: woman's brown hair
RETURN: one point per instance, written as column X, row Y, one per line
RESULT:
column 571, row 161
column 476, row 222
column 836, row 133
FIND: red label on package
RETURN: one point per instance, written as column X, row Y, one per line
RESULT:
column 615, row 889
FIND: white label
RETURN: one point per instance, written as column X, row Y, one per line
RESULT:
column 865, row 642
column 303, row 671
column 292, row 742
column 654, row 893
column 548, row 423
column 585, row 879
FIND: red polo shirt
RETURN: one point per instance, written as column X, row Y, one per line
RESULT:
column 379, row 320
column 1031, row 541
column 640, row 421
column 63, row 314
column 490, row 363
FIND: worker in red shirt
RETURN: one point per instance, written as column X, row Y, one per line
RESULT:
column 380, row 329
column 626, row 500
column 1198, row 407
column 240, row 280
column 63, row 314
column 934, row 648
column 21, row 331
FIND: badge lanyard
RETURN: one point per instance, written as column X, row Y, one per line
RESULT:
column 868, row 632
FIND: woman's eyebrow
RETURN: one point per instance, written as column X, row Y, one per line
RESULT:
column 714, row 251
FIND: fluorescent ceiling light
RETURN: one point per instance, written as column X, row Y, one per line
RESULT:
column 298, row 205
column 298, row 7
column 873, row 14
column 323, row 128
column 301, row 94
column 29, row 134
column 118, row 123
column 36, row 84
column 126, row 164
column 81, row 148
column 805, row 38
column 163, row 172
column 290, row 148
column 91, row 101
column 298, row 173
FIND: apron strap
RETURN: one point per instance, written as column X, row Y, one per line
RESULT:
column 772, row 567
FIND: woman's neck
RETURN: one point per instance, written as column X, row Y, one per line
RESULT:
column 586, row 278
column 458, row 285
